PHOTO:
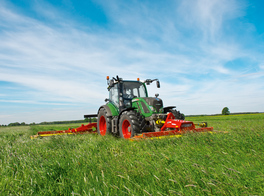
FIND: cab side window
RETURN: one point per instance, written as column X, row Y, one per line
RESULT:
column 113, row 95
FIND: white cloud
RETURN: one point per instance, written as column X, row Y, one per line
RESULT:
column 208, row 16
column 183, row 44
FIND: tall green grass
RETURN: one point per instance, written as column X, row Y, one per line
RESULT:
column 229, row 162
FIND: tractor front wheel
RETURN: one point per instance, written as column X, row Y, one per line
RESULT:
column 177, row 114
column 103, row 123
column 128, row 124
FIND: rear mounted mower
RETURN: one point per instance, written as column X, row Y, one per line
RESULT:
column 130, row 113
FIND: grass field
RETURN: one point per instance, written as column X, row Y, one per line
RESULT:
column 230, row 162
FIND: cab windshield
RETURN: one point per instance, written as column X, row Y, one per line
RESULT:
column 134, row 89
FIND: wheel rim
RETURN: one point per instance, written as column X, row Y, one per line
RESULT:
column 102, row 125
column 126, row 129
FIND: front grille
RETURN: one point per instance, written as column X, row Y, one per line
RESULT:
column 155, row 102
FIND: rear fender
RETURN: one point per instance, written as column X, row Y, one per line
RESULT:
column 110, row 109
column 113, row 109
column 109, row 113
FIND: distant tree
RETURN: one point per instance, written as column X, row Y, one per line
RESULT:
column 43, row 123
column 225, row 111
column 90, row 120
column 14, row 124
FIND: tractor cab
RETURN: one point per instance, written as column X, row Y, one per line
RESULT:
column 122, row 92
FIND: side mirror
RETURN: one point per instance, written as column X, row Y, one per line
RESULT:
column 158, row 84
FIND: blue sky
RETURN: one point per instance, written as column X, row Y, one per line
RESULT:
column 55, row 55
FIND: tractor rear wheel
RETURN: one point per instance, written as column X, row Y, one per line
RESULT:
column 177, row 114
column 128, row 124
column 103, row 122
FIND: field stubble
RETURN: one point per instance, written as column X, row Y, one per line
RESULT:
column 229, row 162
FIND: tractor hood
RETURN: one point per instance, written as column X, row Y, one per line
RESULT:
column 155, row 104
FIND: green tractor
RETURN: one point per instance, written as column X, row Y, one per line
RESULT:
column 129, row 111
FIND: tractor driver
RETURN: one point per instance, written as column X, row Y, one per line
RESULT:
column 128, row 96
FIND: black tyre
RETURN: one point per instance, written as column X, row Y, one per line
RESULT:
column 142, row 122
column 177, row 114
column 103, row 123
column 128, row 124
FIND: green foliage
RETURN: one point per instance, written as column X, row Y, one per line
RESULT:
column 14, row 124
column 63, row 122
column 54, row 122
column 90, row 119
column 229, row 162
column 225, row 111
